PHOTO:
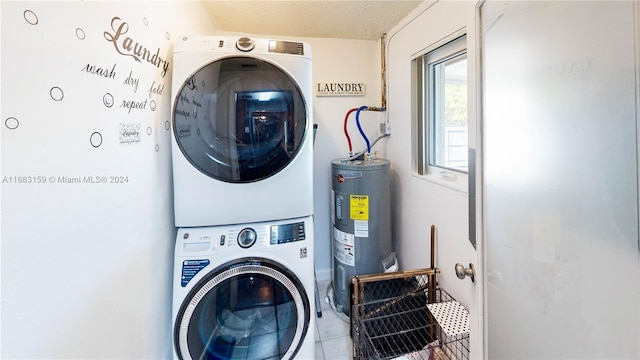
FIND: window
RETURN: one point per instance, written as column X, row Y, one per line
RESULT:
column 442, row 112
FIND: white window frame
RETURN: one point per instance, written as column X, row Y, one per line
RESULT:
column 453, row 45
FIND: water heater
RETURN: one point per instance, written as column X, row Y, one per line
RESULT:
column 361, row 222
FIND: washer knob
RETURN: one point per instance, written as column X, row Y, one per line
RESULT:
column 245, row 44
column 247, row 237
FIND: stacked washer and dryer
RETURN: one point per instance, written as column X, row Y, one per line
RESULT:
column 242, row 155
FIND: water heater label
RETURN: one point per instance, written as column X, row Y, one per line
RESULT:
column 361, row 228
column 190, row 268
column 359, row 207
column 344, row 247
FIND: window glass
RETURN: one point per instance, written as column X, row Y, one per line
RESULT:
column 442, row 124
column 448, row 117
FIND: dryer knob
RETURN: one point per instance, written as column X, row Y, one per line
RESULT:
column 245, row 44
column 247, row 237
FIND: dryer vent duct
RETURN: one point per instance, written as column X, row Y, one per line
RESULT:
column 361, row 222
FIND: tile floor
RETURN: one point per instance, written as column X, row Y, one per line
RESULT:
column 333, row 341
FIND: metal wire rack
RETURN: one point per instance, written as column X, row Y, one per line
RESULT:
column 401, row 315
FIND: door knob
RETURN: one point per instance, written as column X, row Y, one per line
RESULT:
column 462, row 272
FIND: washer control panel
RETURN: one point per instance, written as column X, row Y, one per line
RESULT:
column 286, row 233
column 247, row 237
column 225, row 239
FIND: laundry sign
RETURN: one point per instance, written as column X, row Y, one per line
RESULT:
column 340, row 89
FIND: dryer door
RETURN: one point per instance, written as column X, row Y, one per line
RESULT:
column 240, row 119
column 247, row 309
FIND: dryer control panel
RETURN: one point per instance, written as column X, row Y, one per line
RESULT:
column 246, row 44
column 286, row 233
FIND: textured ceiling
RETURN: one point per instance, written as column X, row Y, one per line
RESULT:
column 351, row 19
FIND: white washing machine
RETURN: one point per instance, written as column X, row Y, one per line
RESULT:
column 245, row 291
column 242, row 139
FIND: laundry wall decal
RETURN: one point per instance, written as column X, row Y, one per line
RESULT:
column 126, row 46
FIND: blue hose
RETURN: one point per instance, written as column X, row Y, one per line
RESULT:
column 360, row 128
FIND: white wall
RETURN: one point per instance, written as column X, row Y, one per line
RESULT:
column 336, row 60
column 418, row 202
column 86, row 267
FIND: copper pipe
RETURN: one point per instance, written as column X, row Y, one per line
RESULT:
column 383, row 63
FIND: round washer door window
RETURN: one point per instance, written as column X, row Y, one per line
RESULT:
column 249, row 309
column 239, row 119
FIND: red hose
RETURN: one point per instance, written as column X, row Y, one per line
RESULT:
column 346, row 133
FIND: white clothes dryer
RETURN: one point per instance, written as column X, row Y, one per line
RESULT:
column 245, row 291
column 242, row 139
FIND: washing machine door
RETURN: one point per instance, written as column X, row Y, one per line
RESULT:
column 247, row 309
column 240, row 119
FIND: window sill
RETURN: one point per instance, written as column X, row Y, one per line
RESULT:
column 459, row 185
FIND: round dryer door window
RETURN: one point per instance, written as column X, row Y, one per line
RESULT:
column 249, row 309
column 240, row 119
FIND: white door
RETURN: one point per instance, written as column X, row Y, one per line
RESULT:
column 560, row 179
